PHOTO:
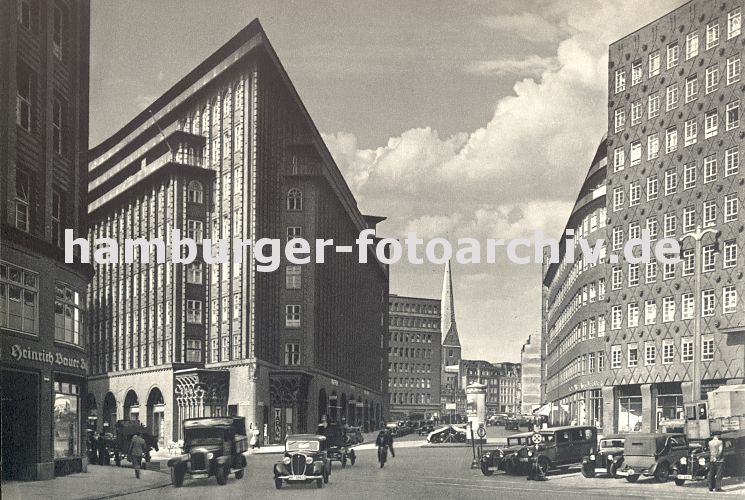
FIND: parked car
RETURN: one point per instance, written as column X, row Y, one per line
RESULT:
column 511, row 424
column 448, row 434
column 652, row 455
column 606, row 459
column 305, row 460
column 505, row 459
column 559, row 446
column 425, row 429
column 354, row 435
column 213, row 446
column 695, row 466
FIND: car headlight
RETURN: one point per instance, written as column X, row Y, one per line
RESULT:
column 702, row 461
column 286, row 460
column 210, row 456
column 530, row 453
column 308, row 460
column 683, row 460
column 592, row 457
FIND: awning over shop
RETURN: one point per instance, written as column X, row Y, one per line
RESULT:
column 543, row 411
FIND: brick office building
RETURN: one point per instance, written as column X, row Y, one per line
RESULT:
column 234, row 154
column 674, row 153
column 414, row 352
column 575, row 308
column 43, row 142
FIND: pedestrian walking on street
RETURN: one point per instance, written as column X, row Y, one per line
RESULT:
column 384, row 442
column 714, row 476
column 136, row 452
column 103, row 452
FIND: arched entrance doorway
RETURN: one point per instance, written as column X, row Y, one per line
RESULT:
column 131, row 406
column 322, row 404
column 343, row 407
column 156, row 408
column 92, row 410
column 108, row 412
column 334, row 407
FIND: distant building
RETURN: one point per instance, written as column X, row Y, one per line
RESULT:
column 44, row 48
column 502, row 381
column 414, row 351
column 230, row 152
column 530, row 375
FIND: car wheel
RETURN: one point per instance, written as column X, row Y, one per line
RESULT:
column 239, row 474
column 485, row 469
column 221, row 474
column 632, row 479
column 662, row 474
column 588, row 470
column 679, row 482
column 177, row 476
column 543, row 465
column 319, row 483
column 278, row 483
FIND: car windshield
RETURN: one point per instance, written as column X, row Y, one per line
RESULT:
column 517, row 441
column 611, row 443
column 302, row 445
column 203, row 437
column 548, row 438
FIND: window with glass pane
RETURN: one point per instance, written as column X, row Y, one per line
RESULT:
column 69, row 312
column 292, row 316
column 293, row 277
column 18, row 299
column 66, row 421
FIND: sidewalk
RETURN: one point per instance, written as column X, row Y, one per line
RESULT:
column 101, row 481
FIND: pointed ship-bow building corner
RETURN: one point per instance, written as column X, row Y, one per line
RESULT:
column 230, row 152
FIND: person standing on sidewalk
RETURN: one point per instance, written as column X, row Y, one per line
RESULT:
column 137, row 451
column 714, row 476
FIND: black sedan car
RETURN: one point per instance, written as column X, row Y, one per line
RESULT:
column 305, row 460
column 695, row 466
column 606, row 459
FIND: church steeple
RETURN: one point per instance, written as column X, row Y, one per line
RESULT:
column 447, row 311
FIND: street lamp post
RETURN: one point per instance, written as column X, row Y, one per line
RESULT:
column 697, row 236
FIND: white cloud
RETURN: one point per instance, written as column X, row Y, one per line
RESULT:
column 527, row 26
column 530, row 66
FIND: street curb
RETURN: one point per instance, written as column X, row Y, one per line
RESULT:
column 128, row 492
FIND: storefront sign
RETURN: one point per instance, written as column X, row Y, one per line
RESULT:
column 19, row 353
column 585, row 385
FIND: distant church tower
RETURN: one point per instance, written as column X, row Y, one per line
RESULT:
column 451, row 342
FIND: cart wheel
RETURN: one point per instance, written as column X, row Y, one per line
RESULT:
column 278, row 483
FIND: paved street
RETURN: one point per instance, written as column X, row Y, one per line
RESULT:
column 423, row 472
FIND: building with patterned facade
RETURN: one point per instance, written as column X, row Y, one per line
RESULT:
column 44, row 54
column 414, row 351
column 530, row 375
column 230, row 152
column 674, row 148
column 575, row 308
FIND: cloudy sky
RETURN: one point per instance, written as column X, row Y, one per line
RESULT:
column 459, row 119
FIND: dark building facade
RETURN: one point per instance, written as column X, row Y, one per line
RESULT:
column 574, row 316
column 44, row 51
column 230, row 152
column 414, row 351
column 674, row 154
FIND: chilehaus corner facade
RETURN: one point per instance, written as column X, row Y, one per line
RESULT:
column 629, row 354
column 230, row 152
column 44, row 51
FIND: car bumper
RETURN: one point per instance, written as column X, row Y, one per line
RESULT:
column 304, row 477
column 632, row 472
column 198, row 475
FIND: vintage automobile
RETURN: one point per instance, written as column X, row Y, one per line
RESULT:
column 559, row 446
column 511, row 424
column 448, row 434
column 305, row 461
column 354, row 435
column 213, row 446
column 338, row 444
column 695, row 466
column 652, row 455
column 606, row 458
column 505, row 459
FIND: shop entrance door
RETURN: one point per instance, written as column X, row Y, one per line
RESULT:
column 19, row 414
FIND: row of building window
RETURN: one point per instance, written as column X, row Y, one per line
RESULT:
column 409, row 352
column 669, row 305
column 410, row 398
column 414, row 308
column 586, row 294
column 414, row 383
column 688, row 258
column 590, row 363
column 409, row 322
column 672, row 52
column 409, row 367
column 650, row 352
column 425, row 338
